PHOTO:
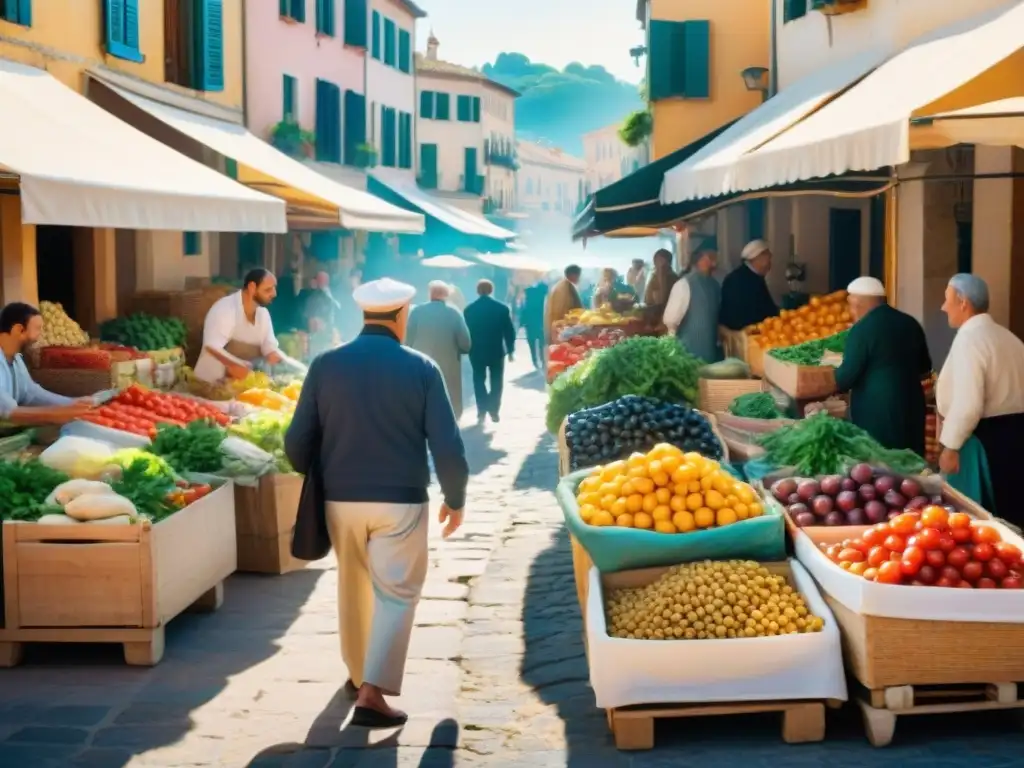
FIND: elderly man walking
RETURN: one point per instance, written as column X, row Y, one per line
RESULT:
column 368, row 412
column 494, row 337
column 438, row 330
column 980, row 395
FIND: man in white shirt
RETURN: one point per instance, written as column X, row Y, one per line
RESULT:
column 980, row 390
column 691, row 314
column 238, row 330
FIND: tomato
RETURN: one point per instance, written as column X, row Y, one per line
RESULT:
column 889, row 573
column 895, row 543
column 883, row 528
column 935, row 517
column 984, row 534
column 873, row 537
column 927, row 574
column 950, row 573
column 944, row 582
column 903, row 524
column 929, row 538
column 1011, row 582
column 959, row 520
column 877, row 556
column 958, row 558
column 983, row 552
column 851, row 555
column 913, row 559
column 996, row 568
column 965, row 585
column 973, row 571
column 845, row 564
column 986, row 584
column 833, row 552
column 961, row 535
column 1008, row 553
column 870, row 574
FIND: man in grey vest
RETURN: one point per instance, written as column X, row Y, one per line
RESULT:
column 693, row 307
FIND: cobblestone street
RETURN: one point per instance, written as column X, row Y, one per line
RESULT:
column 497, row 674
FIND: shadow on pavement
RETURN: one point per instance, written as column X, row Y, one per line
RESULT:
column 80, row 705
column 533, row 380
column 479, row 451
column 535, row 471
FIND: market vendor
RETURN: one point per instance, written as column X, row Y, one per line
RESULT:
column 23, row 402
column 884, row 360
column 613, row 291
column 238, row 331
column 694, row 302
column 746, row 299
column 980, row 396
column 563, row 299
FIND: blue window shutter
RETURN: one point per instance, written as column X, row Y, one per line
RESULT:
column 298, row 10
column 375, row 43
column 325, row 17
column 17, row 12
column 284, row 7
column 443, row 107
column 756, row 214
column 356, row 13
column 388, row 136
column 328, row 122
column 469, row 182
column 192, row 244
column 122, row 29
column 209, row 48
column 697, row 59
column 793, row 9
column 665, row 60
column 464, row 109
column 404, row 140
column 389, row 42
column 355, row 125
column 404, row 51
column 288, row 110
column 427, row 104
column 476, row 109
column 428, row 166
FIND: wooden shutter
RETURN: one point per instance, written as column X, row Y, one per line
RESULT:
column 355, row 125
column 209, row 49
column 328, row 122
column 288, row 110
column 469, row 184
column 697, row 59
column 476, row 109
column 793, row 9
column 356, row 12
column 428, row 165
column 388, row 137
column 427, row 104
column 389, row 42
column 298, row 10
column 405, row 140
column 444, row 106
column 464, row 109
column 404, row 51
column 660, row 63
column 325, row 17
column 122, row 23
column 284, row 7
column 192, row 244
column 115, row 24
column 18, row 12
column 375, row 43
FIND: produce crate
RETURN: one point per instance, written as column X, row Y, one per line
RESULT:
column 640, row 681
column 734, row 343
column 715, row 395
column 94, row 583
column 801, row 382
column 264, row 519
column 77, row 382
column 755, row 357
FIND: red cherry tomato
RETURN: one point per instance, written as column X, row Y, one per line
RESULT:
column 996, row 568
column 873, row 537
column 929, row 538
column 903, row 524
column 936, row 558
column 1008, row 553
column 973, row 571
column 913, row 559
column 984, row 534
column 944, row 582
column 964, row 584
column 877, row 556
column 986, row 584
column 927, row 575
column 984, row 552
column 935, row 517
column 961, row 535
column 958, row 558
column 895, row 543
column 1010, row 582
column 889, row 573
column 950, row 573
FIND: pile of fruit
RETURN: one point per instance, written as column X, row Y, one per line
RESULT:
column 145, row 332
column 58, row 328
column 633, row 423
column 138, row 411
column 267, row 398
column 864, row 496
column 823, row 316
column 711, row 601
column 567, row 353
column 602, row 316
column 667, row 491
column 931, row 547
column 80, row 358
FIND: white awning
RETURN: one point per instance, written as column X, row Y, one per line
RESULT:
column 279, row 174
column 81, row 166
column 708, row 172
column 516, row 262
column 446, row 261
column 995, row 124
column 868, row 126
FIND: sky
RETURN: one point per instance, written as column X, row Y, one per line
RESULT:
column 555, row 32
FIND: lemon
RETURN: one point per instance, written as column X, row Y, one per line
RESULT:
column 663, row 494
column 602, row 518
column 755, row 509
column 742, row 513
column 704, row 517
column 661, row 512
column 660, row 478
column 683, row 521
column 664, row 526
column 694, row 502
column 587, row 512
column 677, row 503
column 713, row 499
column 619, row 507
column 608, row 501
column 627, row 488
column 635, row 502
column 650, row 502
column 725, row 516
column 643, row 485
column 643, row 521
column 625, row 520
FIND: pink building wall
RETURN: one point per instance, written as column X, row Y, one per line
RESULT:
column 276, row 47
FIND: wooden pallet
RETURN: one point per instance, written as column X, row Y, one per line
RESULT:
column 633, row 727
column 881, row 706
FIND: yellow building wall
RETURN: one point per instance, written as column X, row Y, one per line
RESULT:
column 67, row 36
column 740, row 38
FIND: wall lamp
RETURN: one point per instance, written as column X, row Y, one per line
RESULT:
column 637, row 52
column 756, row 79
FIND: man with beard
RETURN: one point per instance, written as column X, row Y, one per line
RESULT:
column 238, row 331
column 22, row 401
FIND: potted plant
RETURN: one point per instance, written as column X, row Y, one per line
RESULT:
column 292, row 139
column 366, row 156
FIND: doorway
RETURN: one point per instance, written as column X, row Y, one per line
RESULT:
column 844, row 247
column 55, row 266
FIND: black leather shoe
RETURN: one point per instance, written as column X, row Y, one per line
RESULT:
column 350, row 689
column 364, row 717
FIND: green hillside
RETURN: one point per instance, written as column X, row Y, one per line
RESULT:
column 560, row 106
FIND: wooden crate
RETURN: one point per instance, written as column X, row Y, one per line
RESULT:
column 755, row 358
column 801, row 382
column 78, row 382
column 114, row 583
column 734, row 343
column 264, row 520
column 715, row 395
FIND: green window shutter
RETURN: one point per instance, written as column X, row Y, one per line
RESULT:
column 443, row 107
column 476, row 109
column 17, row 12
column 793, row 9
column 288, row 110
column 297, row 10
column 209, row 46
column 427, row 104
column 122, row 23
column 756, row 216
column 697, row 59
column 192, row 244
column 325, row 17
column 464, row 109
column 355, row 125
column 284, row 7
column 428, row 166
column 661, row 40
column 405, row 140
column 356, row 13
column 388, row 137
column 389, row 42
column 375, row 42
column 404, row 51
column 469, row 180
column 328, row 122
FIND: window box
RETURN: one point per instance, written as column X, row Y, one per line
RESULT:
column 289, row 137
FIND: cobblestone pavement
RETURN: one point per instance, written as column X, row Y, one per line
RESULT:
column 497, row 674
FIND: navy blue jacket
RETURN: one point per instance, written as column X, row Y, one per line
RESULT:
column 490, row 330
column 371, row 408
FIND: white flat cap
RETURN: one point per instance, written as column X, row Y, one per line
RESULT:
column 382, row 295
column 753, row 249
column 866, row 286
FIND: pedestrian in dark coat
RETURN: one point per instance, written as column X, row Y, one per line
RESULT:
column 746, row 299
column 532, row 319
column 492, row 337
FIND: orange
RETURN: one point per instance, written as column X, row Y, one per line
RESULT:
column 635, row 502
column 650, row 502
column 664, row 526
column 725, row 516
column 683, row 521
column 677, row 503
column 661, row 512
column 713, row 499
column 607, row 501
column 644, row 485
column 609, row 489
column 636, row 460
column 694, row 502
column 587, row 512
column 703, row 517
column 653, row 467
column 671, row 463
column 613, row 470
column 663, row 494
column 694, row 487
column 624, row 520
column 660, row 478
column 755, row 509
column 602, row 518
column 635, row 472
column 589, row 498
column 741, row 510
column 628, row 488
column 643, row 521
column 590, row 484
column 618, row 508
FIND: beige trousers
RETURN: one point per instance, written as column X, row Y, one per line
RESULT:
column 382, row 564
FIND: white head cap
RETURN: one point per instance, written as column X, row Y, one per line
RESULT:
column 753, row 249
column 383, row 295
column 866, row 286
column 438, row 289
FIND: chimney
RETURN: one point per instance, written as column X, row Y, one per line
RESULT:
column 432, row 45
